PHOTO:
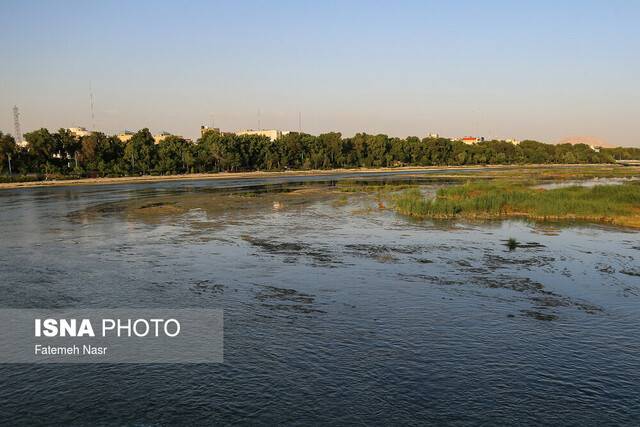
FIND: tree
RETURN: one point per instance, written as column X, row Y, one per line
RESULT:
column 204, row 157
column 438, row 151
column 400, row 152
column 101, row 154
column 360, row 149
column 70, row 145
column 293, row 149
column 8, row 149
column 272, row 157
column 330, row 150
column 173, row 155
column 141, row 152
column 45, row 150
column 104, row 155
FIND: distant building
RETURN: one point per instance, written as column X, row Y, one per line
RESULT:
column 433, row 135
column 158, row 138
column 470, row 140
column 205, row 129
column 272, row 134
column 79, row 132
column 125, row 136
column 512, row 141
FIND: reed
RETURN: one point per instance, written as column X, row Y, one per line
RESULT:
column 618, row 204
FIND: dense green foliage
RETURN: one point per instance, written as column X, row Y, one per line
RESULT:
column 507, row 198
column 62, row 154
column 623, row 153
column 7, row 152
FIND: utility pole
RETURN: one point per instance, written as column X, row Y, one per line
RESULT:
column 299, row 122
column 259, row 127
column 93, row 118
column 9, row 160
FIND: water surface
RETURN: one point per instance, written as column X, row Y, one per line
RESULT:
column 337, row 310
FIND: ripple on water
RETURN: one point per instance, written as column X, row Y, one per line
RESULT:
column 329, row 316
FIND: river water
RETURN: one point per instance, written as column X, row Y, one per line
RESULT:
column 337, row 310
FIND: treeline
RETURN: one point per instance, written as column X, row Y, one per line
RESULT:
column 623, row 153
column 62, row 153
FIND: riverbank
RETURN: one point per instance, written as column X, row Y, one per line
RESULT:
column 614, row 169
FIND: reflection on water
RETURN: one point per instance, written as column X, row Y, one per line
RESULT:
column 336, row 309
column 585, row 183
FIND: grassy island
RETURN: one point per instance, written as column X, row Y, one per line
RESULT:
column 614, row 204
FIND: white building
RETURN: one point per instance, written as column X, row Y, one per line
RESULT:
column 158, row 138
column 79, row 132
column 125, row 136
column 205, row 129
column 272, row 134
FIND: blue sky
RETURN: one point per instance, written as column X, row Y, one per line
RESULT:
column 542, row 70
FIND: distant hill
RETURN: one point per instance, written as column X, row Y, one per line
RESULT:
column 589, row 140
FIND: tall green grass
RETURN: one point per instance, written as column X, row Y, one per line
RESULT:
column 500, row 198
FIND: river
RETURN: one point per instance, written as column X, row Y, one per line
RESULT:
column 336, row 309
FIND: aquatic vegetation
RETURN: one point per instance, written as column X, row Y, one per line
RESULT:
column 544, row 301
column 615, row 204
column 342, row 201
column 557, row 173
column 286, row 300
column 293, row 250
column 631, row 272
column 530, row 261
column 203, row 287
column 539, row 315
column 381, row 253
column 351, row 187
column 206, row 204
column 512, row 244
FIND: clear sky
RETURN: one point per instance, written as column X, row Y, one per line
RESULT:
column 510, row 69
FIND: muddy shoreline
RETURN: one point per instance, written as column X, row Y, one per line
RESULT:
column 258, row 174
